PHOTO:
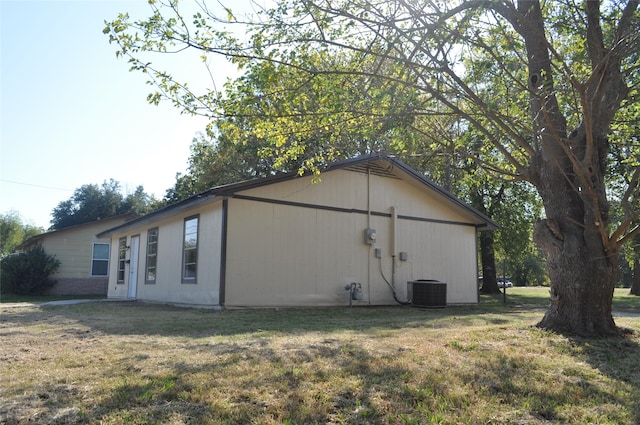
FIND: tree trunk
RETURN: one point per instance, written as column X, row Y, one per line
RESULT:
column 582, row 269
column 569, row 172
column 487, row 249
column 488, row 258
column 581, row 283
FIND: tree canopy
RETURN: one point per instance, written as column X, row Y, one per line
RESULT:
column 543, row 83
column 13, row 232
column 93, row 202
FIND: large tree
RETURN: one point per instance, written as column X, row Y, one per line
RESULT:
column 556, row 75
column 216, row 161
column 93, row 202
column 274, row 108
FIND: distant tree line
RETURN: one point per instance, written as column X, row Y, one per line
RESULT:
column 29, row 272
column 93, row 202
column 88, row 203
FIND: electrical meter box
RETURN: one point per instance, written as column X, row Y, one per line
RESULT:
column 370, row 236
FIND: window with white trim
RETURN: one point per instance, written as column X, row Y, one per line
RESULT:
column 190, row 250
column 100, row 259
column 152, row 256
column 122, row 257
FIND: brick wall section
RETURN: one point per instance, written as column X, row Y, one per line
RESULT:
column 80, row 286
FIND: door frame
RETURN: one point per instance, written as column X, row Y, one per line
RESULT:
column 134, row 261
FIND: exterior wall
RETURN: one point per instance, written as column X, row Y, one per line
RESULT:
column 337, row 188
column 280, row 255
column 286, row 253
column 349, row 189
column 295, row 243
column 444, row 251
column 73, row 248
column 441, row 252
column 168, row 287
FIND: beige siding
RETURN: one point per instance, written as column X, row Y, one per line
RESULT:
column 337, row 188
column 410, row 201
column 348, row 189
column 289, row 254
column 73, row 247
column 296, row 243
column 169, row 287
column 280, row 255
column 441, row 252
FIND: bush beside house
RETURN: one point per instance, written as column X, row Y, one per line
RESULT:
column 29, row 272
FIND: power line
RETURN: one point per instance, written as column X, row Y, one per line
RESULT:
column 36, row 185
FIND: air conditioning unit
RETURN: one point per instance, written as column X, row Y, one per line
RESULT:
column 427, row 293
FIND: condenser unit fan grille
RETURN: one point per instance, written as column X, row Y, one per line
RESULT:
column 428, row 293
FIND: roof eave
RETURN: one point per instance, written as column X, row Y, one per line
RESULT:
column 484, row 222
column 158, row 214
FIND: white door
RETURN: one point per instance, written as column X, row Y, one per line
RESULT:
column 133, row 267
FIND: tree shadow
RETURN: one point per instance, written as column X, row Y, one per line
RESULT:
column 278, row 393
column 513, row 381
column 292, row 386
column 330, row 379
column 616, row 358
column 136, row 318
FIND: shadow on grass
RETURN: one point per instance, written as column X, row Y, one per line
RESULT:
column 619, row 359
column 616, row 358
column 337, row 381
column 136, row 318
column 333, row 379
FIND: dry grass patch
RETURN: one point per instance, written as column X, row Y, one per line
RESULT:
column 113, row 363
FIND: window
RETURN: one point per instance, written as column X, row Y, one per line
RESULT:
column 122, row 255
column 190, row 250
column 100, row 259
column 152, row 255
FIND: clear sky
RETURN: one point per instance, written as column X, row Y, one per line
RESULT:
column 72, row 114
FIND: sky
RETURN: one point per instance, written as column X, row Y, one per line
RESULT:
column 72, row 114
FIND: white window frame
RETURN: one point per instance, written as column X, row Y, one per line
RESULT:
column 186, row 248
column 155, row 255
column 94, row 259
column 122, row 260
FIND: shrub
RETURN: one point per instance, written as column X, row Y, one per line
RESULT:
column 28, row 273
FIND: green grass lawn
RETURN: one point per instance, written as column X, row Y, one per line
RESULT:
column 135, row 363
column 539, row 297
column 516, row 297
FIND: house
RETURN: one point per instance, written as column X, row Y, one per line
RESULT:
column 286, row 241
column 84, row 258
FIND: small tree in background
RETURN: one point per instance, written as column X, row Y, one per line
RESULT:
column 28, row 273
column 13, row 232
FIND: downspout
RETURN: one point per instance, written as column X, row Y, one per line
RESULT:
column 477, row 264
column 368, row 227
column 394, row 224
column 394, row 219
column 223, row 252
column 369, row 198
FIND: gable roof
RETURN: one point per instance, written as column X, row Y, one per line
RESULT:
column 33, row 240
column 376, row 163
